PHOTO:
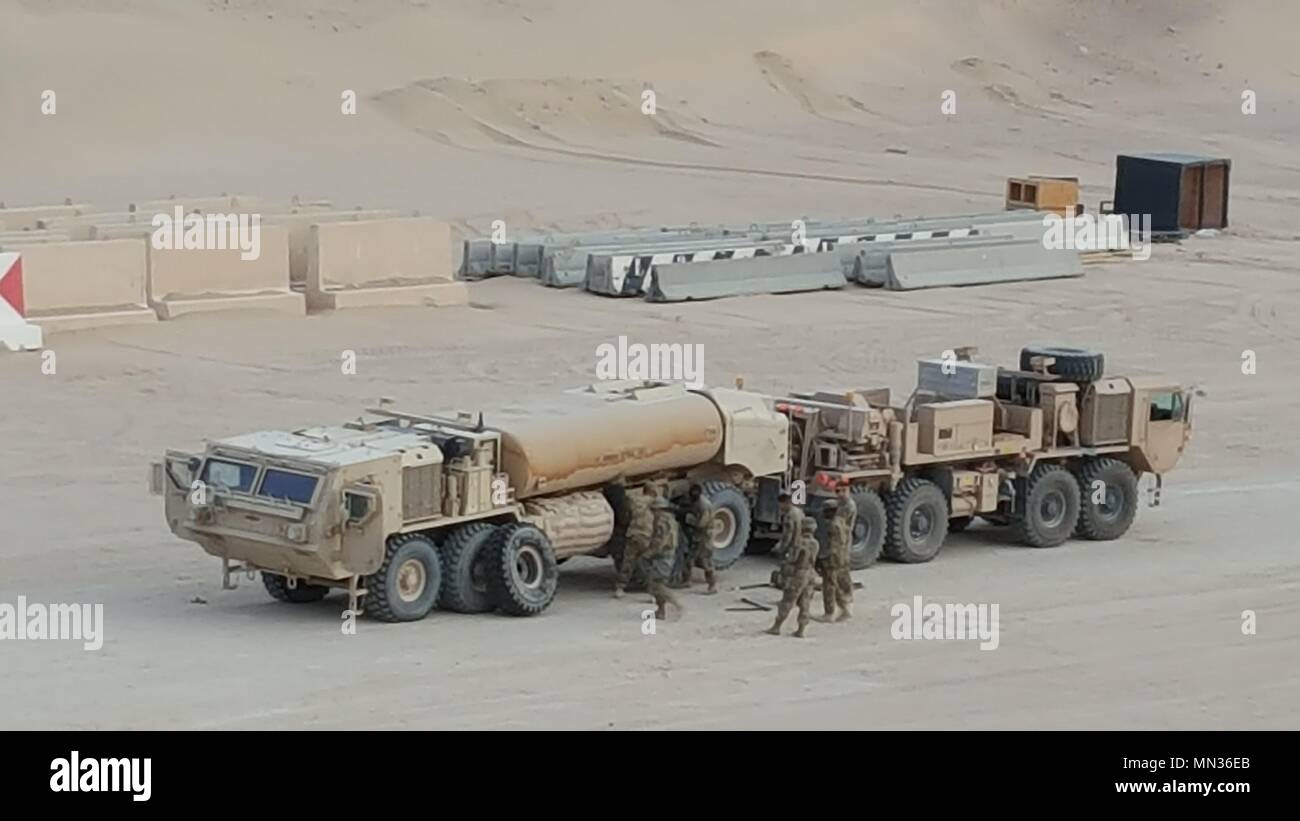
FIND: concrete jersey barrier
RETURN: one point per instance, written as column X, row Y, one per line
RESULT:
column 1010, row 261
column 184, row 281
column 76, row 285
column 405, row 261
column 684, row 281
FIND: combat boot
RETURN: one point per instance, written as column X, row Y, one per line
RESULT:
column 659, row 612
column 798, row 633
column 713, row 588
column 846, row 613
column 618, row 592
column 774, row 630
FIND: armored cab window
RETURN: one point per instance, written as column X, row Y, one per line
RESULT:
column 287, row 486
column 357, row 505
column 224, row 474
column 1166, row 407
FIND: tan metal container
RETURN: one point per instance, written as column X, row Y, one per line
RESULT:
column 583, row 440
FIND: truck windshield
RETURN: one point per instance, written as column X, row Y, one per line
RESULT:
column 287, row 486
column 227, row 475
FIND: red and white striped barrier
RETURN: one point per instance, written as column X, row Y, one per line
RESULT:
column 16, row 333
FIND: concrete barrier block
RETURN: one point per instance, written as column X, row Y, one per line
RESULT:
column 184, row 281
column 979, row 264
column 30, row 237
column 218, row 204
column 75, row 285
column 382, row 256
column 300, row 221
column 20, row 219
column 685, row 281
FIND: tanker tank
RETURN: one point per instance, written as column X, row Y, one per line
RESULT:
column 584, row 439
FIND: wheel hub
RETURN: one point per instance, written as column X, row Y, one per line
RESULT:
column 1052, row 509
column 724, row 529
column 528, row 566
column 920, row 524
column 411, row 580
column 1111, row 505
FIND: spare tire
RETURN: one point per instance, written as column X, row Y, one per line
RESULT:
column 521, row 569
column 1074, row 364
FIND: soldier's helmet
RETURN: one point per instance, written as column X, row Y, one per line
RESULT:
column 808, row 527
column 696, row 490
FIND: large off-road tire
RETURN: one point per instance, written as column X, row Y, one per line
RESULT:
column 918, row 521
column 869, row 529
column 731, row 522
column 464, row 577
column 1112, row 518
column 1074, row 364
column 1049, row 506
column 406, row 585
column 522, row 573
column 303, row 593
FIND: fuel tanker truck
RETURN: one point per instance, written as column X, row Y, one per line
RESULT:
column 408, row 511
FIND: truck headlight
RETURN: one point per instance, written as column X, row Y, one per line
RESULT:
column 296, row 532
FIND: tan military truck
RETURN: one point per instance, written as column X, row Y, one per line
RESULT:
column 406, row 511
column 1053, row 448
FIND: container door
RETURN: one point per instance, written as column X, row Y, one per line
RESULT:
column 1189, row 198
column 1214, row 199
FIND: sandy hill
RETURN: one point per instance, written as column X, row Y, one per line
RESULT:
column 532, row 110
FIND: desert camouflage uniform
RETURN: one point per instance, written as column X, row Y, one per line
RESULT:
column 791, row 525
column 662, row 549
column 848, row 510
column 797, row 572
column 837, row 584
column 636, row 541
column 699, row 518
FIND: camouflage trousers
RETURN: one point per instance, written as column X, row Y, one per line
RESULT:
column 699, row 553
column 837, row 587
column 656, row 587
column 798, row 592
column 634, row 550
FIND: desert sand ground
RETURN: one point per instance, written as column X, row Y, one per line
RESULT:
column 525, row 111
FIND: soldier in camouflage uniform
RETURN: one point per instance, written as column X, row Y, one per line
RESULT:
column 837, row 584
column 699, row 521
column 659, row 556
column 797, row 572
column 636, row 541
column 848, row 509
column 792, row 517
